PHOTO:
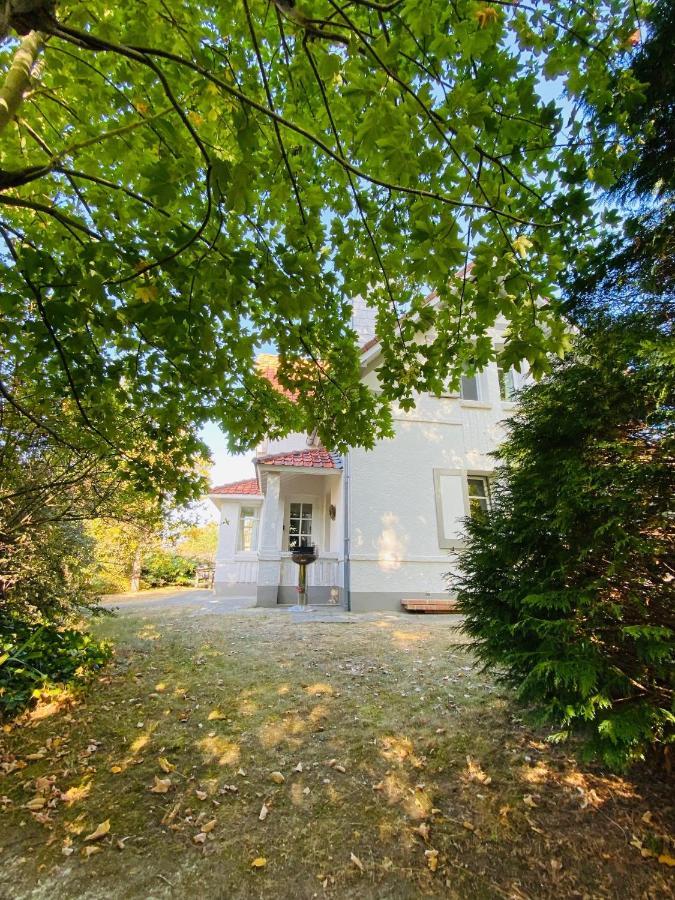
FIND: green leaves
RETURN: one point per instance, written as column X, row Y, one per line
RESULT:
column 566, row 587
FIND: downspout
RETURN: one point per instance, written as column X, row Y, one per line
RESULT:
column 347, row 530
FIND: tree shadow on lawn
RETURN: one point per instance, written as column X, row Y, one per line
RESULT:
column 364, row 761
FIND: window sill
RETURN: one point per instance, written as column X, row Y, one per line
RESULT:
column 475, row 404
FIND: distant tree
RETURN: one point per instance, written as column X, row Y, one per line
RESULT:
column 198, row 542
column 567, row 583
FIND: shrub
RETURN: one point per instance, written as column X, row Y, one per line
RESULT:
column 567, row 585
column 36, row 657
column 162, row 567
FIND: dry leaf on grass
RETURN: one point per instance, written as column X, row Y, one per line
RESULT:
column 115, row 769
column 277, row 777
column 298, row 768
column 264, row 812
column 209, row 826
column 201, row 795
column 165, row 765
column 199, row 838
column 666, row 860
column 357, row 862
column 99, row 832
column 89, row 851
column 423, row 830
column 161, row 786
column 529, row 800
column 259, row 862
column 36, row 803
column 432, row 859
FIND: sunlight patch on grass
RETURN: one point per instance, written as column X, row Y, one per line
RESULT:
column 219, row 749
column 77, row 792
column 318, row 689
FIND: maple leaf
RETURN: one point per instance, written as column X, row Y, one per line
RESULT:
column 99, row 832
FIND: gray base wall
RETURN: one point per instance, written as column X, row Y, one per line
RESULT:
column 388, row 601
column 317, row 594
column 225, row 589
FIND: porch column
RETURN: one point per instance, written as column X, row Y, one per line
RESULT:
column 269, row 555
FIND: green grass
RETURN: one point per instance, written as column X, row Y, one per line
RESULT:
column 228, row 700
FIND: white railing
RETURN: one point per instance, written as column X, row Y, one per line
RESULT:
column 322, row 573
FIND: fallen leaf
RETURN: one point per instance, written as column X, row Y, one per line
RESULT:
column 647, row 818
column 277, row 777
column 469, row 826
column 165, row 765
column 115, row 769
column 432, row 859
column 161, row 786
column 264, row 812
column 89, row 851
column 357, row 862
column 199, row 838
column 666, row 860
column 99, row 832
column 36, row 803
column 259, row 862
column 528, row 800
column 241, row 772
column 201, row 795
column 423, row 830
column 216, row 715
column 505, row 810
column 298, row 768
column 209, row 826
column 340, row 769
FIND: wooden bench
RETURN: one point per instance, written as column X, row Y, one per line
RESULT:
column 429, row 606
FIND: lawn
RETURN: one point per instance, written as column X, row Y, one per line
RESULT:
column 245, row 755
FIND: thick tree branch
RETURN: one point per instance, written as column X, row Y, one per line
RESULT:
column 18, row 78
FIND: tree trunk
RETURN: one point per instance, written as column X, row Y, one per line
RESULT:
column 18, row 78
column 136, row 571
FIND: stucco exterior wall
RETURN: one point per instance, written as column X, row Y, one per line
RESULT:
column 396, row 549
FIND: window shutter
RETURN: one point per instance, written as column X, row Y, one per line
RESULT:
column 450, row 506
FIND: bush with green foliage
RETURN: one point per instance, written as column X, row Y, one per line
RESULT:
column 35, row 658
column 567, row 584
column 163, row 567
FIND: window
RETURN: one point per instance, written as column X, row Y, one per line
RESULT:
column 247, row 537
column 479, row 495
column 469, row 388
column 507, row 383
column 300, row 525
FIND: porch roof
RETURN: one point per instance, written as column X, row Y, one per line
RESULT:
column 312, row 458
column 249, row 487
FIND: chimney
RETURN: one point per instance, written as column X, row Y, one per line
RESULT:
column 363, row 320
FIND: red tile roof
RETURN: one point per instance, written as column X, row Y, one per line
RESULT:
column 249, row 486
column 267, row 365
column 313, row 458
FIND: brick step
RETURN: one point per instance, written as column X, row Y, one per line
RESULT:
column 430, row 606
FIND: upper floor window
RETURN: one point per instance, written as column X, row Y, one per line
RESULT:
column 479, row 494
column 300, row 525
column 469, row 388
column 507, row 383
column 247, row 536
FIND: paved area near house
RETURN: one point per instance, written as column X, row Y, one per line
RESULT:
column 202, row 601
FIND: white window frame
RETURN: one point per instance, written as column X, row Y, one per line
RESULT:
column 506, row 392
column 476, row 377
column 486, row 494
column 252, row 515
column 456, row 543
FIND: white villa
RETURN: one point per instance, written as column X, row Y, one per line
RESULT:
column 385, row 522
